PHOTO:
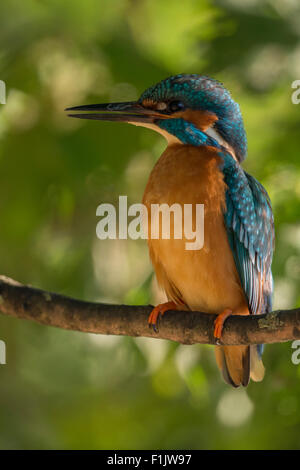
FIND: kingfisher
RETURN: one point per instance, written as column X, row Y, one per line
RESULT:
column 206, row 145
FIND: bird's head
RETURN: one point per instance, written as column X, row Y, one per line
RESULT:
column 200, row 101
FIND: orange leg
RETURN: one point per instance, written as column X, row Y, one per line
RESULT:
column 160, row 309
column 219, row 323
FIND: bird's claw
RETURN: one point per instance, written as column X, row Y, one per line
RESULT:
column 218, row 325
column 157, row 312
column 154, row 326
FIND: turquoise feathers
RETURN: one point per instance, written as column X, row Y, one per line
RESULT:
column 203, row 93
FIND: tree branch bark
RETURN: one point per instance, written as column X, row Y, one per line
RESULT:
column 51, row 309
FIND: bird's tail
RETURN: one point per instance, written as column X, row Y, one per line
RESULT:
column 239, row 363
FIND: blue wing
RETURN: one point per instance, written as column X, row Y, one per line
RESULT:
column 250, row 228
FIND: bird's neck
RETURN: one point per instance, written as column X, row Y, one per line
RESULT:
column 227, row 131
column 187, row 133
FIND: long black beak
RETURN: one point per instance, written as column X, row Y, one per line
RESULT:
column 130, row 111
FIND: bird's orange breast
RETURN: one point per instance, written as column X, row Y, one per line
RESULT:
column 205, row 279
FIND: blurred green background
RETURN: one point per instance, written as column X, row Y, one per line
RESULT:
column 72, row 390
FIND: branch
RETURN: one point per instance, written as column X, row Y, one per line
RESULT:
column 50, row 309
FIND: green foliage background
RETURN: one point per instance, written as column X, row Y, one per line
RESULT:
column 70, row 390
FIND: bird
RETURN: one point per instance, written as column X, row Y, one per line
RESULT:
column 202, row 164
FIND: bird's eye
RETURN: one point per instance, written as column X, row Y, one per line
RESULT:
column 175, row 106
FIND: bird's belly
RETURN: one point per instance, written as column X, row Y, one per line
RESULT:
column 205, row 279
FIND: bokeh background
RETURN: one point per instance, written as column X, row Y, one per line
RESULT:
column 72, row 390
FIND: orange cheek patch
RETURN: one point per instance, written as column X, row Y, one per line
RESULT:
column 201, row 119
column 148, row 103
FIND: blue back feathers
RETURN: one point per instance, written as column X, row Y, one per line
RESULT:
column 250, row 229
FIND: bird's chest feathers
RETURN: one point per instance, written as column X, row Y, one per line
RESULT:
column 188, row 175
column 191, row 175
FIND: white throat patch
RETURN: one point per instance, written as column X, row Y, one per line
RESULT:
column 215, row 135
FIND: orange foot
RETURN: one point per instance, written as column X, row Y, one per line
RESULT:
column 160, row 309
column 219, row 323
